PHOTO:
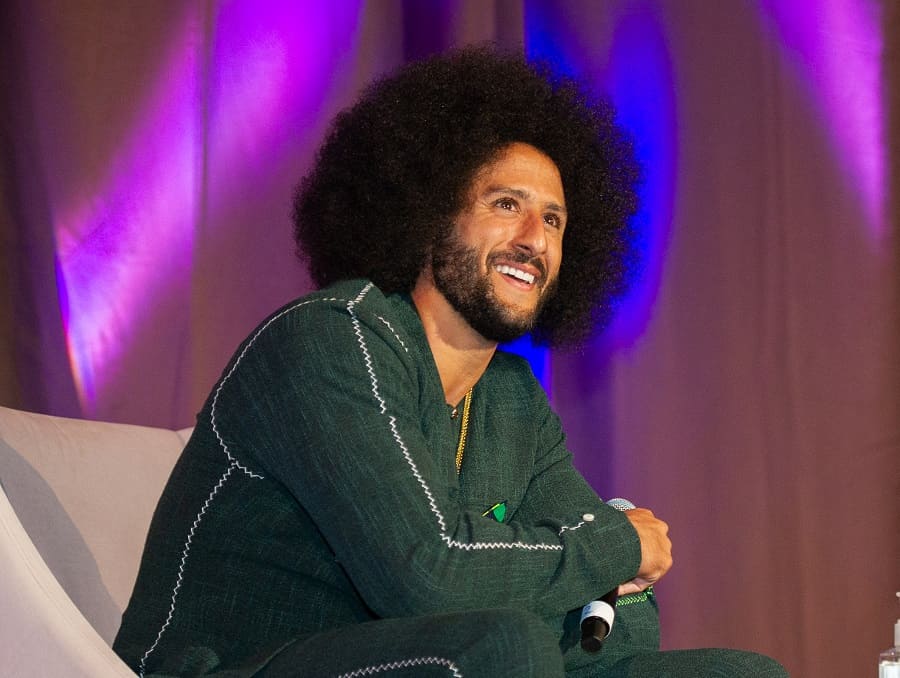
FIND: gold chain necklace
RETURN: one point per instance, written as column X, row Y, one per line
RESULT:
column 464, row 429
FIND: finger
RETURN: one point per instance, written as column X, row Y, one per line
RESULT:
column 628, row 588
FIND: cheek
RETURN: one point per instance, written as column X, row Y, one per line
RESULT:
column 556, row 258
column 475, row 231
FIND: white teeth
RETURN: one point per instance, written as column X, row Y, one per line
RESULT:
column 515, row 272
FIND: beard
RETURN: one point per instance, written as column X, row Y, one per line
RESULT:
column 458, row 276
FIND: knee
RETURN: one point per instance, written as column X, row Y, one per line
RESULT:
column 515, row 643
column 742, row 664
column 708, row 663
column 753, row 665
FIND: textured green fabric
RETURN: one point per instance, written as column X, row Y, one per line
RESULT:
column 702, row 663
column 498, row 643
column 319, row 491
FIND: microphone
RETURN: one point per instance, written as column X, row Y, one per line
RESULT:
column 598, row 615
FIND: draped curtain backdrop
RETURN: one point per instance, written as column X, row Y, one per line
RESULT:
column 748, row 391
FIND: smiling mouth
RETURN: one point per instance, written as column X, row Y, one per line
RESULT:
column 516, row 273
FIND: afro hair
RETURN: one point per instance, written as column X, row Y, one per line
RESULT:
column 396, row 168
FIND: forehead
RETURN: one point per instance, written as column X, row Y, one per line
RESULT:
column 522, row 166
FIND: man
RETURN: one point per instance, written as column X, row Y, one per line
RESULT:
column 371, row 487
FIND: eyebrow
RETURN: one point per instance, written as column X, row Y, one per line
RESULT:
column 523, row 195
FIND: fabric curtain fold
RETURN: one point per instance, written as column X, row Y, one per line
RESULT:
column 749, row 390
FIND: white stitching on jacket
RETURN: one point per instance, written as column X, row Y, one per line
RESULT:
column 394, row 332
column 392, row 422
column 184, row 555
column 405, row 663
column 566, row 527
column 246, row 349
column 233, row 464
column 357, row 329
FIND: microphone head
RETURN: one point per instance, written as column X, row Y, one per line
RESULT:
column 621, row 504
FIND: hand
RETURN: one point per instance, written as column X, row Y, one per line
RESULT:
column 656, row 550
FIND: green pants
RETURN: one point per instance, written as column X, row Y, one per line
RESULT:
column 497, row 643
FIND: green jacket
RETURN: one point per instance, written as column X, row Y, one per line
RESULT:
column 319, row 489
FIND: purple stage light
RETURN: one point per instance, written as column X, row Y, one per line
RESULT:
column 126, row 246
column 132, row 236
column 628, row 60
column 833, row 48
column 640, row 81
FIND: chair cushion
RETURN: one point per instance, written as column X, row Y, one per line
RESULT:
column 85, row 492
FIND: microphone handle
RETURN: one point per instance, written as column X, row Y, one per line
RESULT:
column 597, row 616
column 596, row 621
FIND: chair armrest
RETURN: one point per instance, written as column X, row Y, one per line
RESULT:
column 42, row 630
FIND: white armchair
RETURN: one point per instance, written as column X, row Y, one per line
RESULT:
column 76, row 498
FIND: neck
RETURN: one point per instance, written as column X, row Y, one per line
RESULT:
column 460, row 353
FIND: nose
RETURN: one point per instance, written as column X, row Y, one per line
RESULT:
column 531, row 237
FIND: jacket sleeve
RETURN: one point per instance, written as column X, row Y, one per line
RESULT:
column 557, row 488
column 329, row 402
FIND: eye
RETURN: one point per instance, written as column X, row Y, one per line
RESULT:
column 553, row 220
column 506, row 204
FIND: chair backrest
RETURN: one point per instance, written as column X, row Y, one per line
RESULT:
column 84, row 492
